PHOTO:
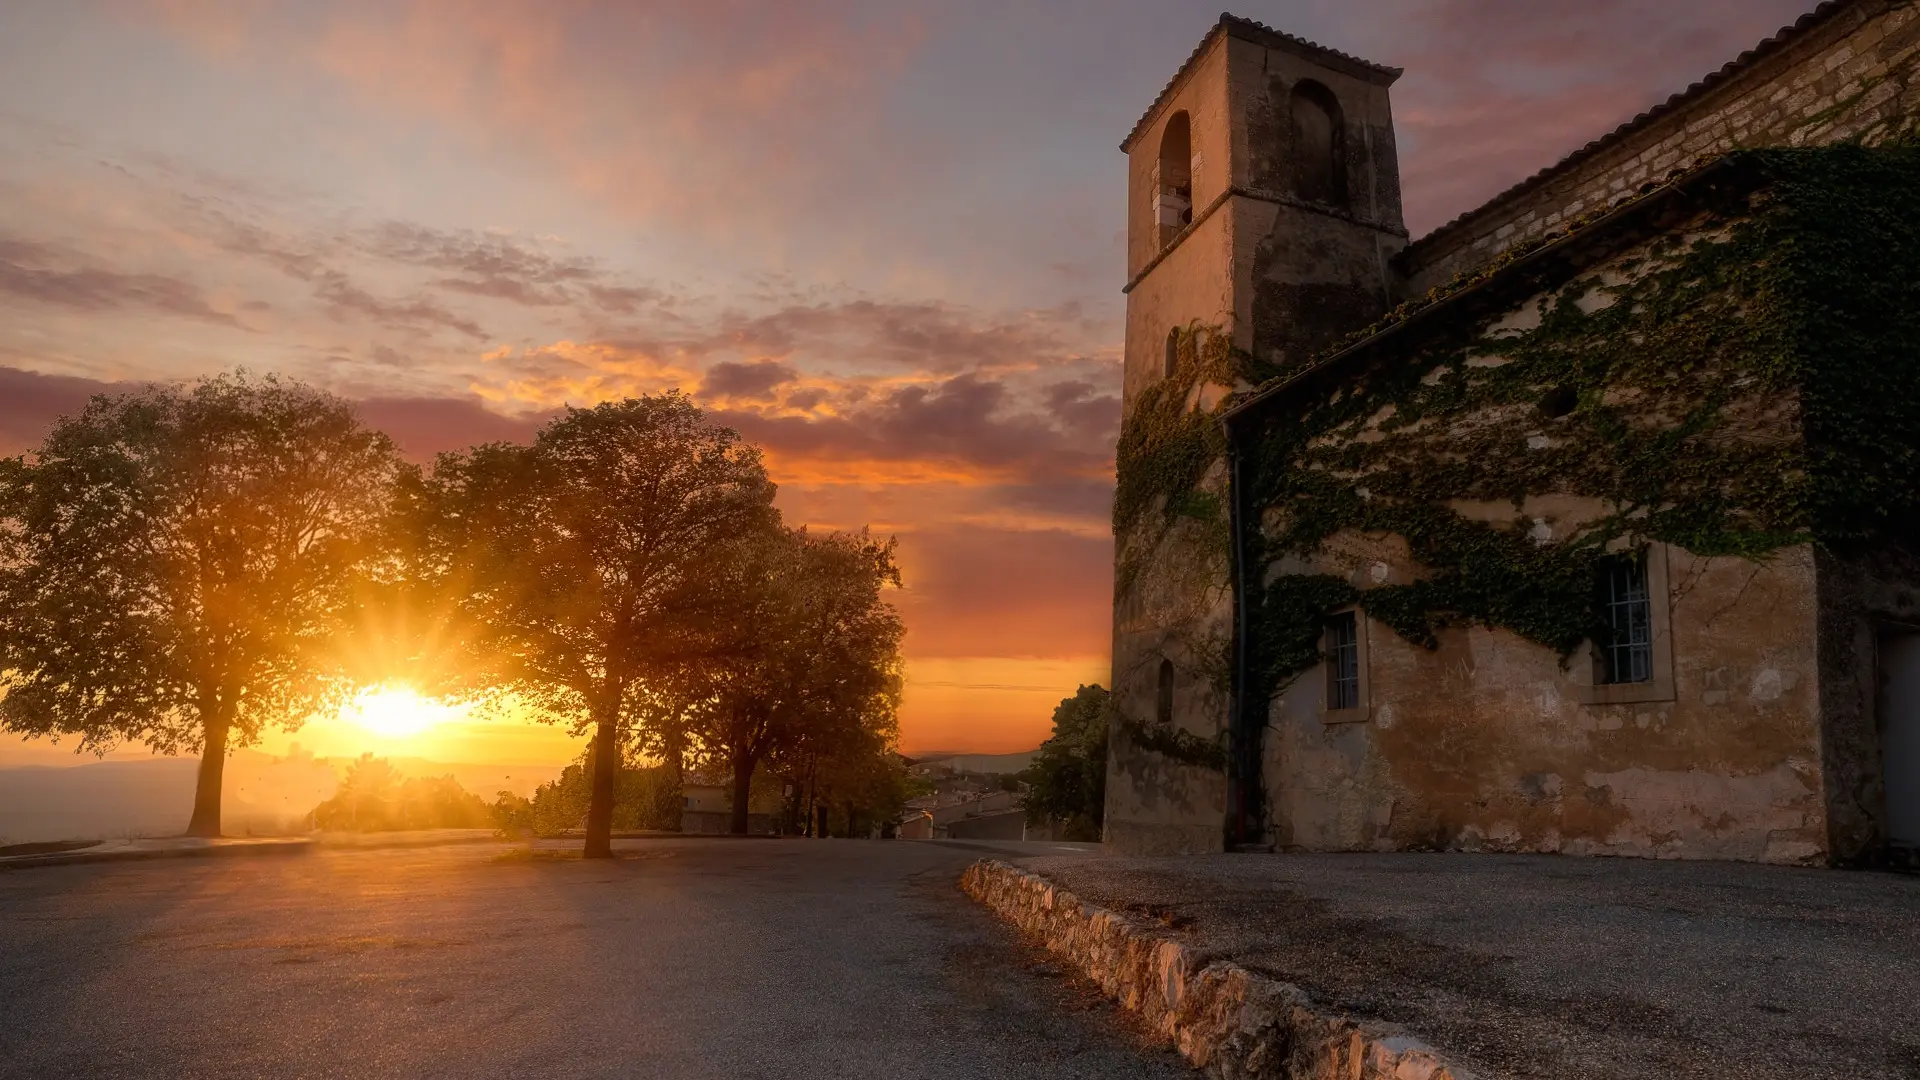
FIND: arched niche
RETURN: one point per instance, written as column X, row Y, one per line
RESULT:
column 1318, row 145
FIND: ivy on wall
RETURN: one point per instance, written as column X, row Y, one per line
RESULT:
column 1169, row 443
column 1733, row 389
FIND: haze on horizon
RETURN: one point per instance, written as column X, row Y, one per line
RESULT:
column 882, row 240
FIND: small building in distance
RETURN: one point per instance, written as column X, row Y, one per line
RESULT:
column 914, row 824
column 1584, row 524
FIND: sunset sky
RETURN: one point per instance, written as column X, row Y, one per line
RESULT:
column 883, row 240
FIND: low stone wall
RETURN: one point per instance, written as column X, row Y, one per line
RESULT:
column 1223, row 1018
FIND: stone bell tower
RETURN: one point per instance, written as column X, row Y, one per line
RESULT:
column 1263, row 206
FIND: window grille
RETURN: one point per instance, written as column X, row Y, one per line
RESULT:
column 1627, row 656
column 1343, row 661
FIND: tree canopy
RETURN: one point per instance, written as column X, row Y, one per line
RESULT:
column 1068, row 778
column 805, row 665
column 589, row 561
column 183, row 566
column 175, row 562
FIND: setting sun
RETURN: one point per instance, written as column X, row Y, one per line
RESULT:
column 396, row 712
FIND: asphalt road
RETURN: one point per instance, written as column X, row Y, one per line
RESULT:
column 734, row 959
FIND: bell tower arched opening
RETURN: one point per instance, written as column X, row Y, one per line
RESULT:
column 1319, row 145
column 1173, row 179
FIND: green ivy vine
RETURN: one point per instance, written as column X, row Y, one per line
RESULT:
column 1751, row 388
column 1169, row 442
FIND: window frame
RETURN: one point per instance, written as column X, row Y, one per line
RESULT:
column 1362, row 709
column 1588, row 663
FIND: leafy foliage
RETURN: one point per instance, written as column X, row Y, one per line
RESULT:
column 1067, row 782
column 1169, row 442
column 645, row 798
column 585, row 563
column 804, row 668
column 175, row 563
column 375, row 797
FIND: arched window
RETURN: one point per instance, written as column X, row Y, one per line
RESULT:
column 1163, row 702
column 1319, row 154
column 1173, row 179
column 1173, row 352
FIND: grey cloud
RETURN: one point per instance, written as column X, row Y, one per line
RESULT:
column 30, row 403
column 754, row 380
column 962, row 423
column 26, row 273
column 927, row 335
column 624, row 299
column 418, row 314
column 1081, row 408
column 426, row 426
column 502, row 268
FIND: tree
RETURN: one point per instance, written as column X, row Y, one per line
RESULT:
column 375, row 797
column 862, row 780
column 582, row 564
column 1068, row 778
column 806, row 662
column 174, row 562
column 645, row 797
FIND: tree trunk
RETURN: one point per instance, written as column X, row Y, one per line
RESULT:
column 606, row 775
column 676, row 751
column 813, row 790
column 205, row 821
column 743, row 764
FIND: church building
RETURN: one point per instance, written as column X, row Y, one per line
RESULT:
column 1587, row 523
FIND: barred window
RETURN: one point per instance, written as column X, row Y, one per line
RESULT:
column 1343, row 661
column 1627, row 654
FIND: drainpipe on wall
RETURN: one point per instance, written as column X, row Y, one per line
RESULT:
column 1244, row 790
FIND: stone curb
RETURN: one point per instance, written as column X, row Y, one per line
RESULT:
column 142, row 854
column 1222, row 1018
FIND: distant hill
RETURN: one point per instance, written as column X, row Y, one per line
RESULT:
column 263, row 795
column 979, row 763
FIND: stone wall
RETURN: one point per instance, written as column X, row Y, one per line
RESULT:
column 1179, row 609
column 1224, row 1019
column 1848, row 75
column 1485, row 741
